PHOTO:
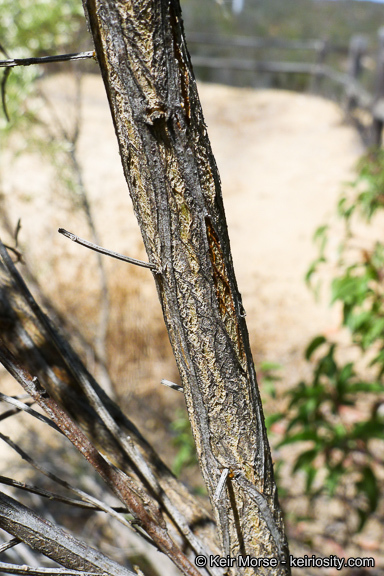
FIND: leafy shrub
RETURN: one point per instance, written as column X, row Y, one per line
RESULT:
column 346, row 451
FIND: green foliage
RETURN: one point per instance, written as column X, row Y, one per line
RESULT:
column 33, row 28
column 38, row 27
column 183, row 440
column 337, row 415
column 267, row 375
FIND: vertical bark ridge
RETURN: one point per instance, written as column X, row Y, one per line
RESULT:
column 176, row 193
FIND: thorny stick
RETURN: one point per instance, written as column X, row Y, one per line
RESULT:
column 10, row 544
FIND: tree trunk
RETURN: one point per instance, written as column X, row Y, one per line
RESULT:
column 175, row 189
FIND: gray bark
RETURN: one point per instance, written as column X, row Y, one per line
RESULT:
column 175, row 189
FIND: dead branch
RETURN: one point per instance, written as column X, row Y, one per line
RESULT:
column 52, row 541
column 64, row 377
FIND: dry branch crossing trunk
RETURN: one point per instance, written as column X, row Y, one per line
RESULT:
column 175, row 188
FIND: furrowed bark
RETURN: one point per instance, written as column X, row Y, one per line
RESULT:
column 175, row 189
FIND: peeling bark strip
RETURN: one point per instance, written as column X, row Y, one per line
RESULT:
column 175, row 189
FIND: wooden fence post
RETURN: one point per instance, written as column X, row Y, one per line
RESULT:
column 321, row 54
column 357, row 49
column 377, row 124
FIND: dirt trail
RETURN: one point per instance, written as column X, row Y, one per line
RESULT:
column 282, row 157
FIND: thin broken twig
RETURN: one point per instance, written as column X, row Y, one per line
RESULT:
column 172, row 385
column 58, row 497
column 3, row 99
column 7, row 545
column 13, row 62
column 13, row 411
column 21, row 406
column 96, row 248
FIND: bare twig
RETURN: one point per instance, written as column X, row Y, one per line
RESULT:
column 13, row 411
column 58, row 497
column 7, row 545
column 140, row 505
column 101, row 250
column 86, row 497
column 3, row 99
column 12, row 62
column 21, row 406
column 15, row 569
column 53, row 542
column 172, row 385
column 14, row 249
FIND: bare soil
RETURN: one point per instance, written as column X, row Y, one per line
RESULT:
column 283, row 158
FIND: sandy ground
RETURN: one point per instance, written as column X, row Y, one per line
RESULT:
column 283, row 158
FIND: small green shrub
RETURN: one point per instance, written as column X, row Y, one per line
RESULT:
column 346, row 450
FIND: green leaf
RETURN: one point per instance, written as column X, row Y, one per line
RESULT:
column 320, row 238
column 368, row 485
column 303, row 436
column 316, row 342
column 357, row 321
column 311, row 472
column 367, row 387
column 345, row 209
column 304, row 459
column 371, row 428
column 269, row 366
column 333, row 478
column 313, row 268
column 352, row 290
column 375, row 331
column 346, row 372
column 363, row 517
